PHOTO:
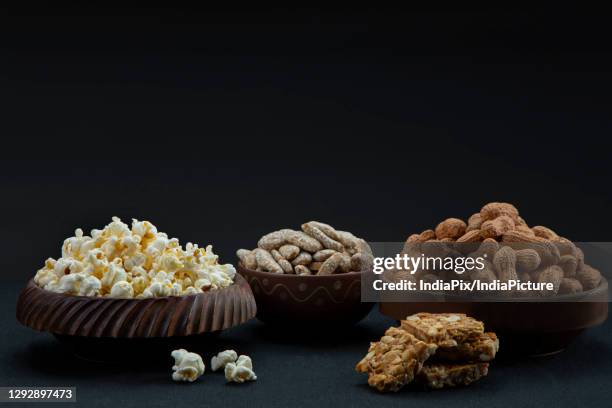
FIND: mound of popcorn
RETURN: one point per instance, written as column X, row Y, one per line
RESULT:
column 137, row 262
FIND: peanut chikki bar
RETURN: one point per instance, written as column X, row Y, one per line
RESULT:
column 395, row 360
column 481, row 349
column 443, row 329
column 451, row 375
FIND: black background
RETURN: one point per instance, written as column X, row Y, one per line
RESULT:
column 223, row 124
column 220, row 125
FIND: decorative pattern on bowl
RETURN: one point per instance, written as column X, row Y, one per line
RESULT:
column 284, row 298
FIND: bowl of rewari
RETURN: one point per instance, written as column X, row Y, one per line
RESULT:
column 135, row 284
column 308, row 276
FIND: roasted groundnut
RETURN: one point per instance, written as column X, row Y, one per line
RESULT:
column 289, row 251
column 323, row 254
column 247, row 258
column 266, row 262
column 512, row 250
column 326, row 241
column 304, row 258
column 307, row 252
column 331, row 264
column 304, row 241
column 282, row 262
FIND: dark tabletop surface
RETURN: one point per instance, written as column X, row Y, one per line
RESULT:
column 311, row 369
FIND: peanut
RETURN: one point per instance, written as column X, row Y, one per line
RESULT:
column 247, row 258
column 345, row 263
column 485, row 274
column 304, row 258
column 549, row 254
column 580, row 259
column 493, row 210
column 569, row 264
column 317, row 234
column 315, row 266
column 414, row 238
column 330, row 231
column 474, row 222
column 497, row 227
column 569, row 285
column 544, row 232
column 323, row 254
column 304, row 241
column 521, row 237
column 282, row 262
column 487, row 249
column 520, row 222
column 525, row 230
column 450, row 228
column 470, row 236
column 331, row 265
column 589, row 277
column 361, row 261
column 527, row 260
column 427, row 235
column 302, row 270
column 289, row 251
column 505, row 264
column 346, row 238
column 363, row 247
column 565, row 246
column 274, row 239
column 266, row 262
column 552, row 274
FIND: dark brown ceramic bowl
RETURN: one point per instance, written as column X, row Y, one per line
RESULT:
column 103, row 328
column 533, row 328
column 171, row 316
column 299, row 300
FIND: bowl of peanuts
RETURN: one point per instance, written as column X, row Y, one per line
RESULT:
column 536, row 321
column 308, row 276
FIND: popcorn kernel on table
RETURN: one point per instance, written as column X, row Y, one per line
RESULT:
column 187, row 366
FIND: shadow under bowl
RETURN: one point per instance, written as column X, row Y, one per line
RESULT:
column 329, row 300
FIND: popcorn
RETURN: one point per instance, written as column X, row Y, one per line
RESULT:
column 122, row 289
column 187, row 366
column 90, row 286
column 222, row 359
column 123, row 262
column 240, row 371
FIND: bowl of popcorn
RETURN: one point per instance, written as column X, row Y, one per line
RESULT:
column 308, row 276
column 134, row 282
column 568, row 296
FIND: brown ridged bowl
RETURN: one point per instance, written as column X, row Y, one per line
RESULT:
column 307, row 300
column 164, row 317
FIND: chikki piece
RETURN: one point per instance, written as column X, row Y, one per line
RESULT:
column 483, row 348
column 394, row 361
column 443, row 329
column 451, row 375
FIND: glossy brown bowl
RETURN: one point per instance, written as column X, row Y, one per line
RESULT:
column 532, row 328
column 164, row 317
column 299, row 300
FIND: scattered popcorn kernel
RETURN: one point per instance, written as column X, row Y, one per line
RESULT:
column 221, row 359
column 187, row 366
column 240, row 371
